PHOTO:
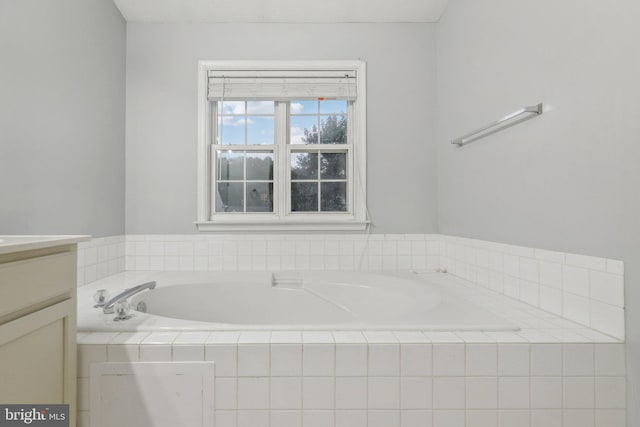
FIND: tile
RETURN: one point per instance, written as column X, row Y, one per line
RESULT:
column 351, row 359
column 98, row 338
column 449, row 393
column 575, row 280
column 123, row 353
column 513, row 359
column 481, row 360
column 417, row 418
column 513, row 418
column 226, row 393
column 607, row 288
column 416, row 393
column 286, row 393
column 546, row 418
column 160, row 338
column 387, row 418
column 253, row 419
column 546, row 392
column 383, row 393
column 318, row 418
column 481, row 392
column 584, row 261
column 185, row 353
column 575, row 307
column 578, row 392
column 351, row 393
column 513, row 392
column 610, row 360
column 546, row 359
column 254, row 337
column 155, row 353
column 253, row 360
column 225, row 358
column 129, row 338
column 286, row 419
column 286, row 360
column 610, row 392
column 416, row 359
column 380, row 337
column 191, row 338
column 318, row 393
column 482, row 418
column 578, row 359
column 253, row 393
column 551, row 274
column 88, row 354
column 448, row 418
column 286, row 337
column 349, row 337
column 384, row 360
column 608, row 319
column 318, row 360
column 578, row 418
column 448, row 359
column 610, row 418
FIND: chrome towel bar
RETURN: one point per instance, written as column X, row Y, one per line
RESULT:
column 507, row 121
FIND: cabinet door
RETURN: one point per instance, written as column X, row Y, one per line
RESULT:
column 37, row 357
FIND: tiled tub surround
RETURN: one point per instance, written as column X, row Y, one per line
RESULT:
column 587, row 290
column 277, row 252
column 384, row 379
column 553, row 372
column 100, row 258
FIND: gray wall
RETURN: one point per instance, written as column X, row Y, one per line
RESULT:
column 161, row 113
column 62, row 82
column 570, row 179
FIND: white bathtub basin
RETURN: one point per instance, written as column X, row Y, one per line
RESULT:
column 309, row 300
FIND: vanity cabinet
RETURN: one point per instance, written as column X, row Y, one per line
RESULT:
column 38, row 325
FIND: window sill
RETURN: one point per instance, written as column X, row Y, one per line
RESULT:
column 239, row 225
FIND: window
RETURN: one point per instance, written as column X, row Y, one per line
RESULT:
column 281, row 146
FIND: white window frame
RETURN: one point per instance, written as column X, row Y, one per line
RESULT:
column 281, row 220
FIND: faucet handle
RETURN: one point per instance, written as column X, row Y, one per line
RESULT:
column 122, row 309
column 101, row 297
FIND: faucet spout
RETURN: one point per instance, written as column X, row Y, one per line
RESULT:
column 108, row 307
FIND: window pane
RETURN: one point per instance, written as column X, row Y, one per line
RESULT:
column 333, row 107
column 231, row 107
column 304, row 165
column 259, row 130
column 260, row 166
column 333, row 166
column 230, row 166
column 304, row 107
column 304, row 197
column 333, row 196
column 304, row 130
column 333, row 129
column 260, row 107
column 231, row 130
column 259, row 197
column 230, row 197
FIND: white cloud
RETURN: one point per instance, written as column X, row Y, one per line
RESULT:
column 296, row 108
column 260, row 107
column 234, row 121
column 297, row 135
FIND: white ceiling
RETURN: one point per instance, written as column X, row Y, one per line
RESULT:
column 285, row 11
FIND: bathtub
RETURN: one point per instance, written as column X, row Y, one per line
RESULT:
column 289, row 301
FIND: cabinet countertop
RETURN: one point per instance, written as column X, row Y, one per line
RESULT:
column 14, row 243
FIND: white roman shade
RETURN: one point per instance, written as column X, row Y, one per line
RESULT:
column 281, row 85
